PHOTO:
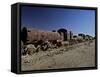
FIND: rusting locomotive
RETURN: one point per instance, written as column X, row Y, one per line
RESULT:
column 32, row 38
column 40, row 38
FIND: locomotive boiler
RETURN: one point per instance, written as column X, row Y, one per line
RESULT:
column 41, row 37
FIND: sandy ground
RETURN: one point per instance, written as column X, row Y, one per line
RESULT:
column 80, row 55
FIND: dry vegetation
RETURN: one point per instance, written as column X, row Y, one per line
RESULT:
column 79, row 55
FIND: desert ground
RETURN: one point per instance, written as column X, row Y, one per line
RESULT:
column 79, row 55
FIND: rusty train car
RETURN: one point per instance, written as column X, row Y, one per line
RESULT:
column 36, row 36
column 31, row 35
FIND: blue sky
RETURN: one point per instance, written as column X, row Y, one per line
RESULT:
column 76, row 20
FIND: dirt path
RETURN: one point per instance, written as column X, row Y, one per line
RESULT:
column 80, row 55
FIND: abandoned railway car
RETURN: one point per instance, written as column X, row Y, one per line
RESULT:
column 30, row 35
